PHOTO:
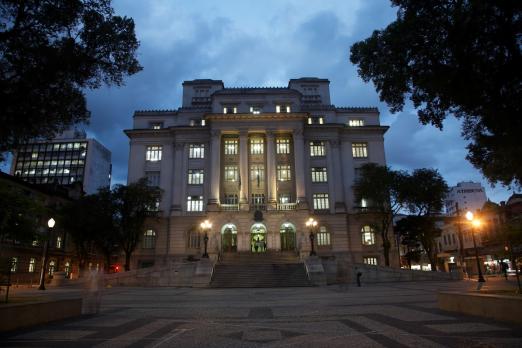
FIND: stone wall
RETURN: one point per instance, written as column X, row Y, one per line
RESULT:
column 179, row 274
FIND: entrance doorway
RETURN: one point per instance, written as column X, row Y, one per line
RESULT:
column 258, row 243
column 229, row 238
column 287, row 233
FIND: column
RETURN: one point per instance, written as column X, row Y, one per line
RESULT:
column 271, row 169
column 300, row 170
column 243, row 169
column 215, row 169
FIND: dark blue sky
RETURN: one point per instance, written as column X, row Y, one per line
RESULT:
column 265, row 43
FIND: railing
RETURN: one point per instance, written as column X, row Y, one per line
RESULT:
column 229, row 207
column 286, row 206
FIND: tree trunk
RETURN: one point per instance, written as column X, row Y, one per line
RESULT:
column 386, row 250
column 127, row 261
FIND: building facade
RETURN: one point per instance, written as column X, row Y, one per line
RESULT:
column 256, row 163
column 70, row 157
column 466, row 196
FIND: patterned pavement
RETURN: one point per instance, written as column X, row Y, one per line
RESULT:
column 382, row 315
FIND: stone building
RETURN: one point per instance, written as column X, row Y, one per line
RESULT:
column 257, row 163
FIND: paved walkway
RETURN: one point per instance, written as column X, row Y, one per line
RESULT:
column 380, row 315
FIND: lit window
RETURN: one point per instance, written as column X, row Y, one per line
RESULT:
column 256, row 110
column 319, row 174
column 282, row 108
column 34, row 155
column 370, row 260
column 230, row 110
column 195, row 176
column 231, row 199
column 284, row 173
column 257, row 173
column 149, row 239
column 231, row 146
column 203, row 123
column 360, row 150
column 316, row 120
column 156, row 125
column 153, row 178
column 356, row 123
column 14, row 264
column 258, row 200
column 368, row 235
column 196, row 151
column 195, row 203
column 67, row 269
column 231, row 173
column 323, row 237
column 284, row 198
column 321, row 201
column 58, row 242
column 364, row 203
column 32, row 262
column 52, row 266
column 317, row 148
column 153, row 153
column 257, row 146
column 283, row 146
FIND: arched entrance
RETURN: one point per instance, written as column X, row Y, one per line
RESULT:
column 229, row 238
column 287, row 233
column 258, row 238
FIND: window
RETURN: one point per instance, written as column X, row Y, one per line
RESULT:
column 256, row 110
column 284, row 198
column 323, row 237
column 283, row 146
column 360, row 150
column 197, row 122
column 321, row 201
column 284, row 173
column 256, row 146
column 230, row 199
column 58, row 242
column 14, row 264
column 364, row 203
column 194, row 239
column 52, row 266
column 316, row 120
column 149, row 239
column 356, row 123
column 231, row 173
column 67, row 269
column 370, row 260
column 153, row 178
column 368, row 235
column 230, row 110
column 317, row 148
column 258, row 200
column 357, row 174
column 156, row 125
column 195, row 176
column 153, row 153
column 32, row 262
column 196, row 151
column 282, row 108
column 231, row 146
column 257, row 173
column 195, row 203
column 319, row 174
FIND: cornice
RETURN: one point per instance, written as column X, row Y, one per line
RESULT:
column 258, row 117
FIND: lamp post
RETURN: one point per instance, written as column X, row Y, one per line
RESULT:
column 50, row 225
column 205, row 226
column 475, row 223
column 311, row 224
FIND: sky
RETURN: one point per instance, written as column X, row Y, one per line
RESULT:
column 266, row 43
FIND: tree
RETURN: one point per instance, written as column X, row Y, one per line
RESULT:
column 384, row 190
column 50, row 51
column 134, row 204
column 426, row 190
column 455, row 57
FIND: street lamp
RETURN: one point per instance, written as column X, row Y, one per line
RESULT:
column 50, row 225
column 476, row 224
column 205, row 226
column 311, row 224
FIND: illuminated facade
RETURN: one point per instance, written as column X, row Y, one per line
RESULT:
column 256, row 162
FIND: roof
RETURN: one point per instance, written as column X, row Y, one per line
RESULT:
column 255, row 90
column 309, row 79
column 203, row 82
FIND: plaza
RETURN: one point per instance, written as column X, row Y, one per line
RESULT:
column 374, row 315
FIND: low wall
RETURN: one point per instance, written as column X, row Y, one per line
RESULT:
column 498, row 307
column 19, row 315
column 343, row 271
column 177, row 274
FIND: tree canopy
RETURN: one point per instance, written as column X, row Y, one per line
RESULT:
column 455, row 57
column 50, row 51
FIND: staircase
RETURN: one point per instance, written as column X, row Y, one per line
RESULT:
column 267, row 270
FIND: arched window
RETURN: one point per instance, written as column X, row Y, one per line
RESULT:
column 194, row 239
column 149, row 239
column 368, row 235
column 323, row 237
